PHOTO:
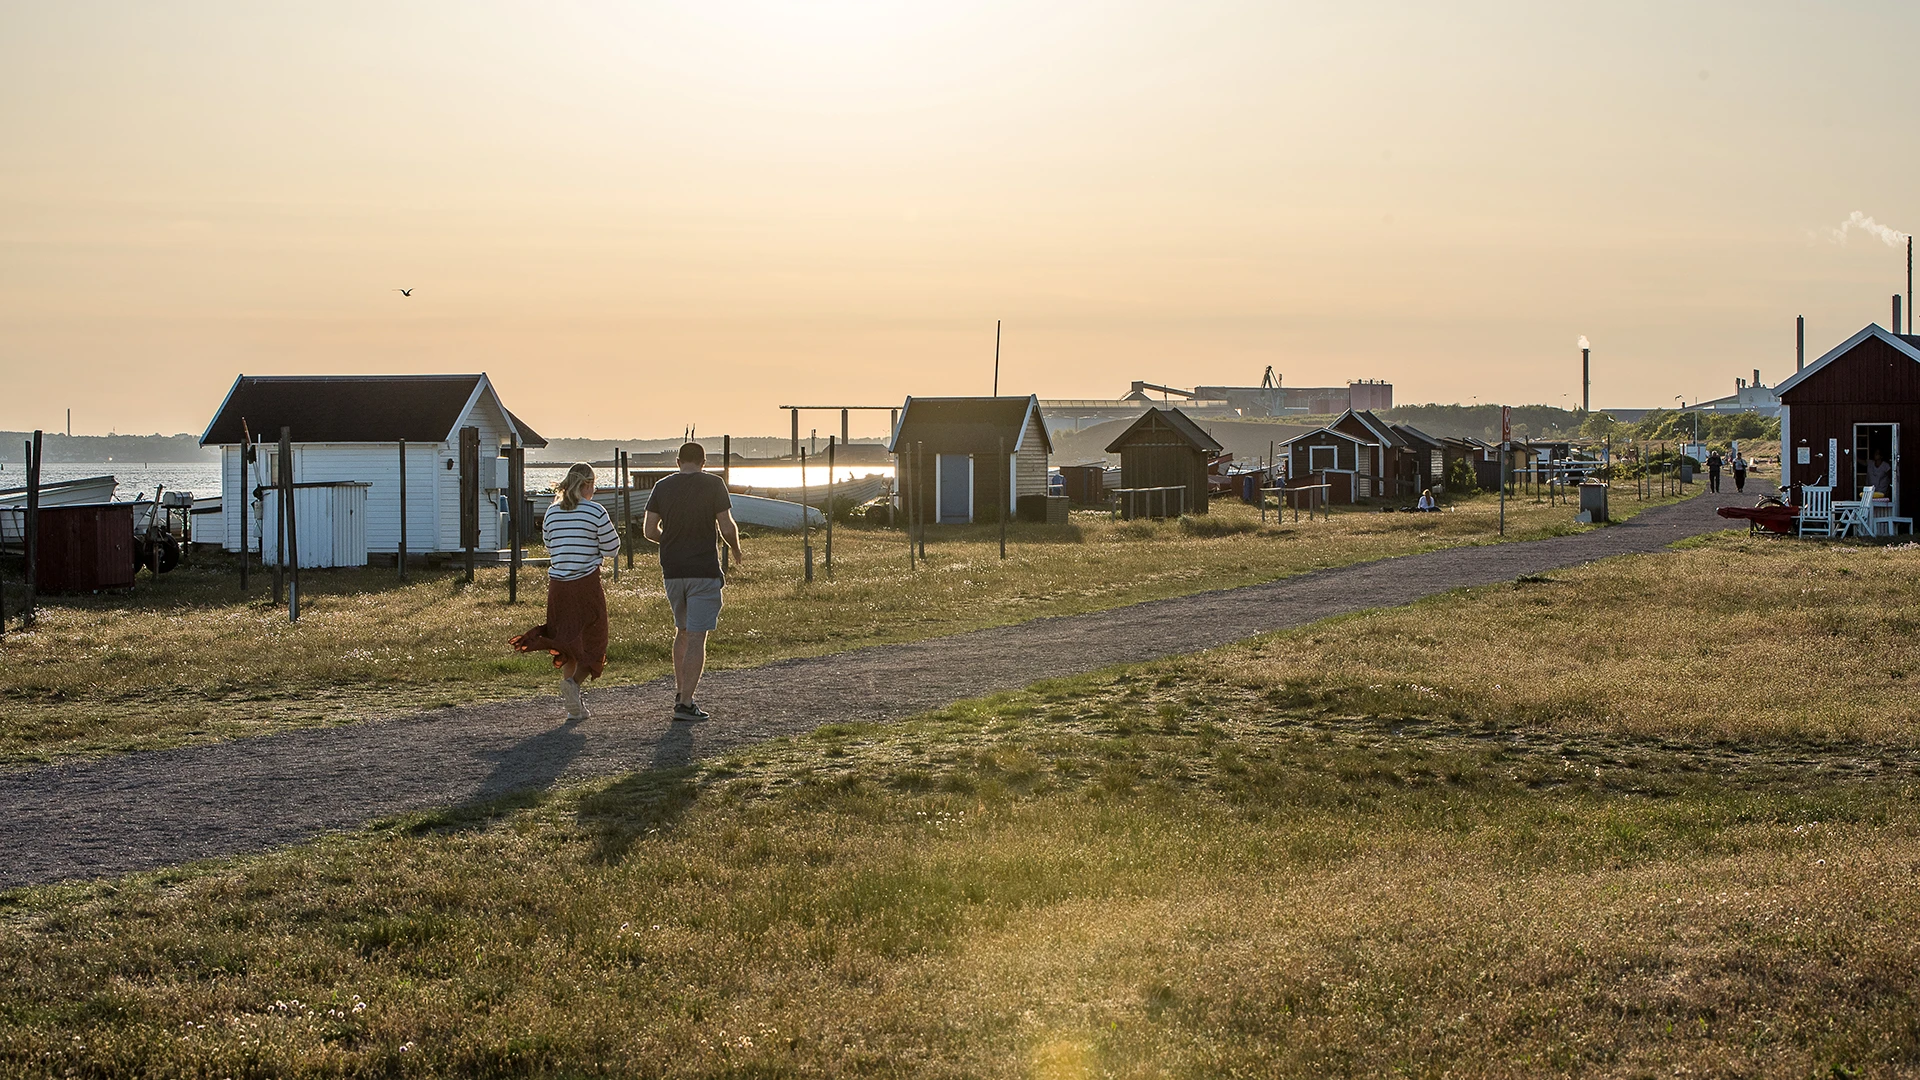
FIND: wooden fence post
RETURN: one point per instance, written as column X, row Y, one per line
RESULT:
column 30, row 531
column 293, row 524
column 726, row 478
column 470, row 494
column 516, row 496
column 830, row 445
column 400, row 553
column 806, row 520
column 1006, row 493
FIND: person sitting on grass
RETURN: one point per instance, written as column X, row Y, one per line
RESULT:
column 1427, row 505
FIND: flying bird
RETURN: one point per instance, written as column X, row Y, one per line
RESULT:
column 405, row 292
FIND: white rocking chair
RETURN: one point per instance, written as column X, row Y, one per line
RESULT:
column 1816, row 511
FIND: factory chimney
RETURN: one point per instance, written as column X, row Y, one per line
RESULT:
column 1799, row 342
column 1896, row 313
column 1586, row 382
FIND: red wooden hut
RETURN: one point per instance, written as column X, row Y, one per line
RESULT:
column 1851, row 405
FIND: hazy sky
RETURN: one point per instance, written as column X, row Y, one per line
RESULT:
column 640, row 216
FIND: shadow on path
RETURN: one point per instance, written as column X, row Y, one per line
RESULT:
column 136, row 811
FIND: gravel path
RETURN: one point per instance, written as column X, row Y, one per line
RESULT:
column 143, row 810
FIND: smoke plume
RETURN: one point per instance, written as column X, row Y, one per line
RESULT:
column 1888, row 235
column 1583, row 342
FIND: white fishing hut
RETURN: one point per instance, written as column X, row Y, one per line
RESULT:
column 346, row 434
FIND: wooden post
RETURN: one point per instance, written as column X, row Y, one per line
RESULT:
column 400, row 553
column 626, row 505
column 726, row 477
column 843, row 428
column 806, row 519
column 470, row 494
column 909, row 490
column 830, row 448
column 1006, row 493
column 293, row 525
column 30, row 531
column 920, row 452
column 246, row 508
column 516, row 495
column 279, row 528
column 796, row 434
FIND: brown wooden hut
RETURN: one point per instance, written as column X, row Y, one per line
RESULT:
column 1326, row 456
column 1857, row 401
column 1383, row 467
column 947, row 454
column 1165, row 449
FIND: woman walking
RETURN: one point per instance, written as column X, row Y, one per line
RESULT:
column 579, row 534
column 1739, row 472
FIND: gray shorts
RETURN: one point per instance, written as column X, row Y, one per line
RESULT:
column 696, row 602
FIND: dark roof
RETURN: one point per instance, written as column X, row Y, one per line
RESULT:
column 1323, row 431
column 349, row 408
column 1415, row 436
column 1372, row 424
column 1167, row 420
column 966, row 425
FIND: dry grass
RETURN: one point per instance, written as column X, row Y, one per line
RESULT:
column 186, row 659
column 1196, row 867
column 1731, row 639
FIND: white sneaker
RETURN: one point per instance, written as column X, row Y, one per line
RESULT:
column 574, row 699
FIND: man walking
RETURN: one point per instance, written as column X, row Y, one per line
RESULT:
column 686, row 514
column 1713, row 470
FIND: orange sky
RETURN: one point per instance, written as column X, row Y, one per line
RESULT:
column 642, row 216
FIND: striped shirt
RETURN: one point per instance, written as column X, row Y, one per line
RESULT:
column 578, row 539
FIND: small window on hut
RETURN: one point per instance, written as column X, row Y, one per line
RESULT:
column 1323, row 458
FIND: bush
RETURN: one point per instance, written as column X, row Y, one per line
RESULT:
column 1462, row 478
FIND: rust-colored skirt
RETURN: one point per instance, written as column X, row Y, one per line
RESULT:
column 576, row 628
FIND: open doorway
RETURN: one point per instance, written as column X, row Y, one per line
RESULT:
column 1876, row 460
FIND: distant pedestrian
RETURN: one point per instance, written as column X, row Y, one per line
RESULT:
column 1713, row 470
column 579, row 534
column 1427, row 505
column 688, row 513
column 1739, row 471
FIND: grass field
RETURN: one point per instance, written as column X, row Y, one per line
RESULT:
column 1577, row 825
column 186, row 658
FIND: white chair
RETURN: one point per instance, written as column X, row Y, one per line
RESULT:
column 1816, row 511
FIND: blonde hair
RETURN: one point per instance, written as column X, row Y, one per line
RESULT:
column 567, row 491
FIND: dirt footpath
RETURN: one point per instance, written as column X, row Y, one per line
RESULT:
column 144, row 810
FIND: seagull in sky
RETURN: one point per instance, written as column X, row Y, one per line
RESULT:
column 405, row 292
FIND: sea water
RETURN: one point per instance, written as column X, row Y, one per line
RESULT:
column 202, row 478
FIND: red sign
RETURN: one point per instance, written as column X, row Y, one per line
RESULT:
column 1506, row 423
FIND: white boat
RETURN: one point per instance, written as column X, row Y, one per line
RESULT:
column 82, row 492
column 747, row 509
column 854, row 491
column 86, row 491
column 773, row 513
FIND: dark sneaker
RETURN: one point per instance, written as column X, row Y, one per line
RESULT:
column 687, row 710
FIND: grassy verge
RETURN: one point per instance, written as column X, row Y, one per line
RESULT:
column 1221, row 865
column 186, row 658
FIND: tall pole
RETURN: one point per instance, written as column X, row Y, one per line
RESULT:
column 1909, row 302
column 795, row 452
column 996, row 358
column 726, row 478
column 1799, row 342
column 1586, row 383
column 806, row 519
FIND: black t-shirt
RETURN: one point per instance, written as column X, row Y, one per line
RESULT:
column 689, row 505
